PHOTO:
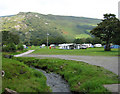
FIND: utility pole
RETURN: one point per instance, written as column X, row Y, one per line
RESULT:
column 47, row 35
column 47, row 39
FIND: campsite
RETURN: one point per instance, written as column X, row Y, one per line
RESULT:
column 59, row 46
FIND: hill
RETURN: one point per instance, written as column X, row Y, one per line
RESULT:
column 30, row 25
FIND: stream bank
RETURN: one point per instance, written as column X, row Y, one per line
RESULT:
column 56, row 82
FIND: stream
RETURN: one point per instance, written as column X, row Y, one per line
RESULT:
column 56, row 82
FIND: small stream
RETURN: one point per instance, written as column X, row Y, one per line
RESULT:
column 56, row 82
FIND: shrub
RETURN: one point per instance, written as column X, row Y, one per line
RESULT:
column 20, row 47
column 9, row 48
column 4, row 49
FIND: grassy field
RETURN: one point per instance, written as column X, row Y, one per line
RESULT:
column 80, row 76
column 88, row 51
column 21, row 78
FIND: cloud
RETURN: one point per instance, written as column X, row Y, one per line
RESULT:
column 87, row 8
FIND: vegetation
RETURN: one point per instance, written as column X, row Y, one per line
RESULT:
column 8, row 37
column 88, row 40
column 21, row 78
column 108, row 30
column 11, row 42
column 11, row 47
column 32, row 29
column 14, row 53
column 81, row 76
column 20, row 47
column 34, row 26
column 88, row 51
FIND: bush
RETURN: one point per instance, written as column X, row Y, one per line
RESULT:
column 9, row 48
column 20, row 47
column 4, row 49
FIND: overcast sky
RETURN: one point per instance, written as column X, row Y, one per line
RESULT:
column 84, row 8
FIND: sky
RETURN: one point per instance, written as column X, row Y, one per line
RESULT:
column 80, row 8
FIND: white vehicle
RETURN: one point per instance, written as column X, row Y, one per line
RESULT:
column 88, row 45
column 97, row 45
column 67, row 46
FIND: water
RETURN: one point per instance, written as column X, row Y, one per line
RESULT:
column 55, row 81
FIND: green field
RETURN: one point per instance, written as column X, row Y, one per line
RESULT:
column 81, row 77
column 21, row 78
column 88, row 51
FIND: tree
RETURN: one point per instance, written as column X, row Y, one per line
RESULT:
column 107, row 30
column 20, row 47
column 11, row 47
column 116, row 37
column 9, row 37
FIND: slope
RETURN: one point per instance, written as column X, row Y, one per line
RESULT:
column 30, row 25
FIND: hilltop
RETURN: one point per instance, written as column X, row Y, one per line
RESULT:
column 30, row 25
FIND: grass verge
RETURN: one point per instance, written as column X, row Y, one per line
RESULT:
column 21, row 78
column 81, row 76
